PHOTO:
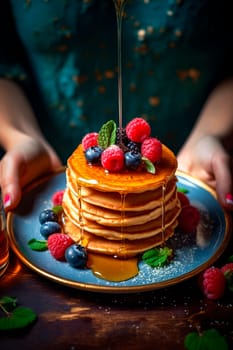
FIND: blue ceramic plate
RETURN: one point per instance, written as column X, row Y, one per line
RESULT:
column 193, row 253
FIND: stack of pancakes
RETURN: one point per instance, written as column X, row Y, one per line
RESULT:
column 120, row 214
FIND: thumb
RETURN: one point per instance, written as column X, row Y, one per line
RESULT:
column 222, row 168
column 10, row 169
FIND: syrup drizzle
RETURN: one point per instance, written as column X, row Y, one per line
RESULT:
column 123, row 196
column 112, row 268
column 81, row 224
column 105, row 267
column 119, row 7
column 163, row 212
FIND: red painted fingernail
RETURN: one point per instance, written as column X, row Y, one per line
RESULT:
column 7, row 200
column 229, row 198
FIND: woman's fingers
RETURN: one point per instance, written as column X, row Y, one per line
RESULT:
column 23, row 164
column 10, row 169
column 222, row 169
column 209, row 161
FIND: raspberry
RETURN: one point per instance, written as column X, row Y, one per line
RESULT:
column 227, row 268
column 112, row 158
column 137, row 130
column 151, row 149
column 90, row 140
column 58, row 197
column 188, row 218
column 183, row 199
column 213, row 283
column 57, row 245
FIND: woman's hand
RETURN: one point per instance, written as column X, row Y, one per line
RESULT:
column 208, row 160
column 28, row 159
column 27, row 154
column 207, row 153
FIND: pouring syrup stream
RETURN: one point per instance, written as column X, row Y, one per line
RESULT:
column 119, row 7
column 114, row 269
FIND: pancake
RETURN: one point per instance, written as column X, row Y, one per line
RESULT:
column 113, row 200
column 133, row 232
column 112, row 218
column 82, row 174
column 122, row 249
column 120, row 214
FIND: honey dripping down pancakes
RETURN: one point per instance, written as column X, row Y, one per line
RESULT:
column 121, row 197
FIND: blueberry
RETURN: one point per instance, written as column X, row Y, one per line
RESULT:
column 132, row 160
column 76, row 256
column 47, row 215
column 49, row 227
column 93, row 154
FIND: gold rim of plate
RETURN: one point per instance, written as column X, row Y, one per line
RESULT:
column 120, row 289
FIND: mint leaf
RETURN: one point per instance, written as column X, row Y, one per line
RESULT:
column 107, row 134
column 211, row 339
column 182, row 189
column 157, row 257
column 229, row 278
column 19, row 318
column 149, row 165
column 8, row 303
column 57, row 209
column 38, row 245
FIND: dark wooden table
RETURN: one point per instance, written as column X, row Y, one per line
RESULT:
column 74, row 319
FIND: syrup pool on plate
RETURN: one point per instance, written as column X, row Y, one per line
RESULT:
column 112, row 269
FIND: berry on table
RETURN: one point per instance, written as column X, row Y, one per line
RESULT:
column 138, row 129
column 151, row 149
column 76, row 256
column 90, row 140
column 93, row 154
column 49, row 227
column 47, row 215
column 57, row 245
column 213, row 283
column 112, row 158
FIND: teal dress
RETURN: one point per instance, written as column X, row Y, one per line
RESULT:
column 64, row 54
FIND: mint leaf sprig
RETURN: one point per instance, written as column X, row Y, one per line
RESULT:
column 210, row 339
column 157, row 257
column 15, row 317
column 150, row 168
column 57, row 209
column 107, row 134
column 182, row 189
column 38, row 245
